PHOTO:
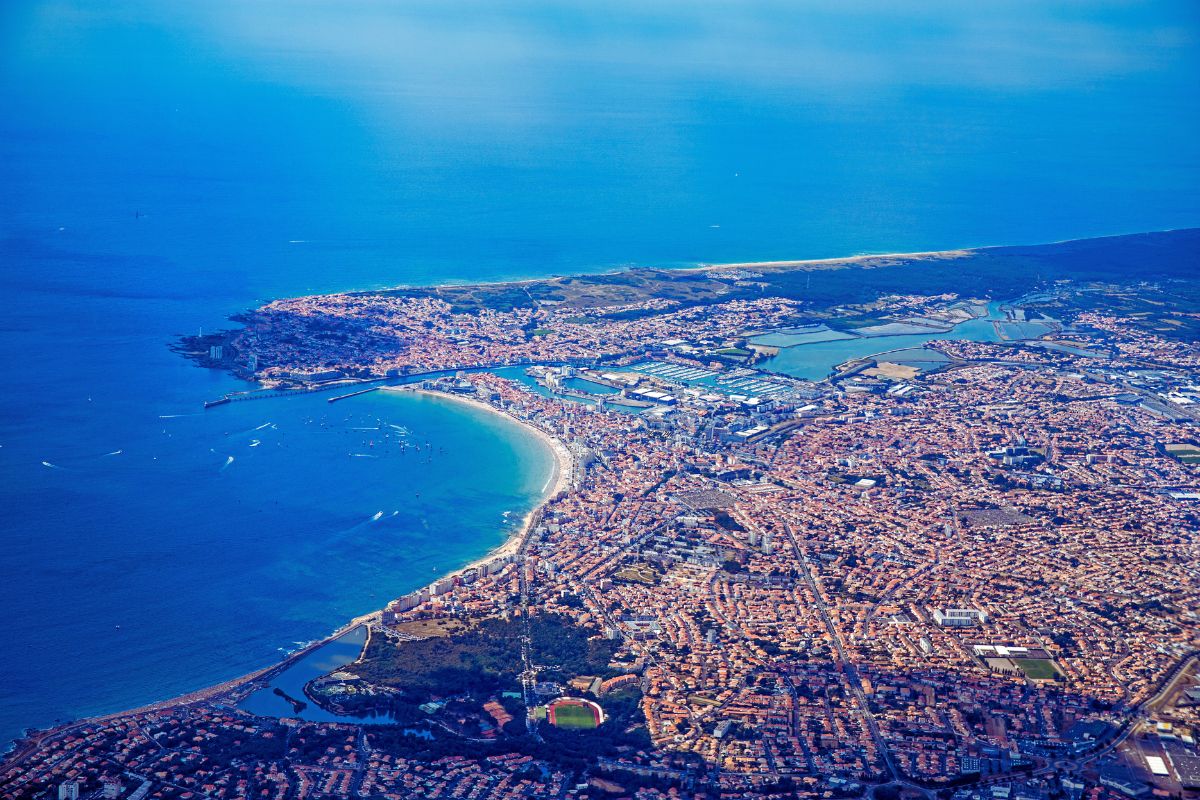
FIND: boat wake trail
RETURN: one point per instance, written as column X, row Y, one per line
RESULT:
column 354, row 529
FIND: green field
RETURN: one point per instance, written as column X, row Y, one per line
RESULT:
column 1185, row 453
column 638, row 573
column 1038, row 669
column 574, row 717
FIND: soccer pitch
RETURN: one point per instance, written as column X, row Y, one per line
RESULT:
column 1038, row 669
column 569, row 715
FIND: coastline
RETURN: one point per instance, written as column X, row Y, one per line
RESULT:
column 564, row 465
column 560, row 479
column 512, row 546
column 563, row 469
column 891, row 259
column 831, row 263
column 866, row 260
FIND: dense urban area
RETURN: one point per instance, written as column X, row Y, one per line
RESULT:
column 964, row 569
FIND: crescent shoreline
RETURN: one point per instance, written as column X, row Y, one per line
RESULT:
column 560, row 480
column 563, row 469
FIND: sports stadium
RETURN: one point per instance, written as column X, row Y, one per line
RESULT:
column 574, row 713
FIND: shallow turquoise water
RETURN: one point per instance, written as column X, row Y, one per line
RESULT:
column 786, row 339
column 165, row 164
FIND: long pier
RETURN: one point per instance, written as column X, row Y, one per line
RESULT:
column 412, row 377
column 352, row 394
column 263, row 394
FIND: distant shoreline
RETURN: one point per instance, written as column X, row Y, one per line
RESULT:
column 834, row 262
column 828, row 262
column 887, row 259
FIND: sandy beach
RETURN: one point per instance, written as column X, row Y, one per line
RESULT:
column 866, row 260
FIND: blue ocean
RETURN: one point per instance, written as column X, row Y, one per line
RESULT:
column 164, row 165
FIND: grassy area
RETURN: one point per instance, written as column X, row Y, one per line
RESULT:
column 1038, row 669
column 1184, row 452
column 573, row 717
column 893, row 371
column 427, row 628
column 1187, row 453
column 483, row 657
column 638, row 573
column 1090, row 276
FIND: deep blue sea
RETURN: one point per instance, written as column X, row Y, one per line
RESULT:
column 165, row 164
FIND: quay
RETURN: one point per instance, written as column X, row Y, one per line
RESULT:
column 409, row 377
column 352, row 394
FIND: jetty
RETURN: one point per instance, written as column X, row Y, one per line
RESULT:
column 352, row 394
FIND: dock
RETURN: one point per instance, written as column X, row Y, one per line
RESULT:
column 352, row 394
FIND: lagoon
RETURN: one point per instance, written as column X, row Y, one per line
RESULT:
column 815, row 362
column 292, row 680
